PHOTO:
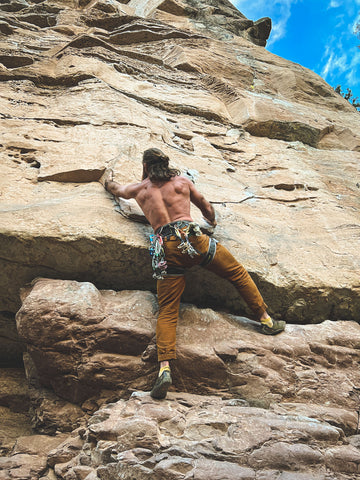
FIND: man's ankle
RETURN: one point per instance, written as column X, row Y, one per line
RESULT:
column 164, row 365
column 267, row 320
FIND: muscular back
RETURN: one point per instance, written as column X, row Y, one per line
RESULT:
column 165, row 202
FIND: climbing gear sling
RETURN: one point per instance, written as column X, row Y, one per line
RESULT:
column 180, row 230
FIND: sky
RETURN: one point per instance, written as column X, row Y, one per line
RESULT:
column 317, row 34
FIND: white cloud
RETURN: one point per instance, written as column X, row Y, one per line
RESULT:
column 353, row 75
column 339, row 63
column 328, row 65
column 341, row 21
column 341, row 58
column 343, row 3
column 335, row 63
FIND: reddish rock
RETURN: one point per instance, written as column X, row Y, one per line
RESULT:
column 84, row 343
column 189, row 436
column 91, row 84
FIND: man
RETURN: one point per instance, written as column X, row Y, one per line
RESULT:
column 177, row 244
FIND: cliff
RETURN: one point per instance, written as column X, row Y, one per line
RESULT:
column 90, row 84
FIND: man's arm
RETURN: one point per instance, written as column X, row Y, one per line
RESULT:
column 203, row 205
column 123, row 191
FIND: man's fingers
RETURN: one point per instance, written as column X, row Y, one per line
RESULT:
column 107, row 176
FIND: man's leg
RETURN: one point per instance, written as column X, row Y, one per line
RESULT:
column 226, row 266
column 169, row 294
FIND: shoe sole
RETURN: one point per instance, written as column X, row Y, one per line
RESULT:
column 160, row 391
column 272, row 332
column 269, row 331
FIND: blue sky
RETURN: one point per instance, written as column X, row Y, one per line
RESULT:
column 318, row 34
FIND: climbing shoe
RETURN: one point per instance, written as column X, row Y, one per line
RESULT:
column 162, row 384
column 278, row 326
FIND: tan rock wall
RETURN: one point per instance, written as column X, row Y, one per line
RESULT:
column 92, row 84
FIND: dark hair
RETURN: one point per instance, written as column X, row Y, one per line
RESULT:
column 157, row 164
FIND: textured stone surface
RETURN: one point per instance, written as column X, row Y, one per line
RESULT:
column 92, row 84
column 86, row 344
column 28, row 458
column 193, row 437
column 14, row 406
column 13, row 425
column 271, row 408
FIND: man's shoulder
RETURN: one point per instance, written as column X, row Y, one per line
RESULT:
column 182, row 179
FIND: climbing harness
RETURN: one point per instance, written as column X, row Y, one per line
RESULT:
column 180, row 230
column 209, row 256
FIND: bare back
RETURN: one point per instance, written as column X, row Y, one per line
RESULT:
column 165, row 202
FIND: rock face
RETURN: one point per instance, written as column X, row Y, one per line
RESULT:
column 83, row 343
column 90, row 84
column 191, row 437
column 278, row 408
column 14, row 406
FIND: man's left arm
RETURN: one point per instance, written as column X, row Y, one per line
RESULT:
column 200, row 201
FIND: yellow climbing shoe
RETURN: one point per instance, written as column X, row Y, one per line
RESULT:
column 278, row 326
column 162, row 384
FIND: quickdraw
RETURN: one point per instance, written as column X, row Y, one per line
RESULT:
column 183, row 235
column 157, row 253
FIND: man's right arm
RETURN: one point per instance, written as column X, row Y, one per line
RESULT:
column 122, row 191
column 203, row 205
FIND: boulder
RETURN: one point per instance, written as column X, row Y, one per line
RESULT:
column 84, row 343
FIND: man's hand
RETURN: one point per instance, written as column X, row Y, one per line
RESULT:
column 108, row 176
column 210, row 218
column 212, row 223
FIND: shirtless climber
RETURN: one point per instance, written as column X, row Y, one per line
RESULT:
column 177, row 244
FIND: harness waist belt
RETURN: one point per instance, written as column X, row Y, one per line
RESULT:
column 181, row 230
column 170, row 229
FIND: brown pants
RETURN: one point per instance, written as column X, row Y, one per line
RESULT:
column 171, row 288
